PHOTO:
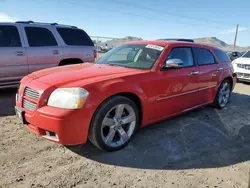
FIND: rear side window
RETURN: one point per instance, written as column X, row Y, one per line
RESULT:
column 222, row 56
column 203, row 56
column 38, row 37
column 9, row 36
column 75, row 37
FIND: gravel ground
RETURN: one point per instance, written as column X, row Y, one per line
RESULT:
column 203, row 148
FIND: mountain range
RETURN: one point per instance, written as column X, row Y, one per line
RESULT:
column 213, row 41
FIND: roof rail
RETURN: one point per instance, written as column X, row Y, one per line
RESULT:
column 41, row 23
column 25, row 22
column 184, row 40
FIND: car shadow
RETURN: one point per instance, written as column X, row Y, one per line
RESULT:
column 203, row 138
column 7, row 101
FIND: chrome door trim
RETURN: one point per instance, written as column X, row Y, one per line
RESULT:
column 185, row 93
column 168, row 97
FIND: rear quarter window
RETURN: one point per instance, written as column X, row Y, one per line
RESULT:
column 75, row 37
column 222, row 56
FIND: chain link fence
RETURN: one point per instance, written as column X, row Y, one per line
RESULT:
column 104, row 44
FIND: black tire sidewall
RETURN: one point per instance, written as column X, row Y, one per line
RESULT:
column 95, row 128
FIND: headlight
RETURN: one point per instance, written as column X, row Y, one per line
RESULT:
column 68, row 98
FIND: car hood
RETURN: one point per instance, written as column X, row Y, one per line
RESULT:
column 87, row 72
column 242, row 60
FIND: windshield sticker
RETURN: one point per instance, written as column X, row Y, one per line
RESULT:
column 155, row 47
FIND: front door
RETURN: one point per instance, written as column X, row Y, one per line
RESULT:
column 13, row 59
column 178, row 86
column 42, row 48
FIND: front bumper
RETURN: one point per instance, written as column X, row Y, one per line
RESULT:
column 242, row 74
column 67, row 127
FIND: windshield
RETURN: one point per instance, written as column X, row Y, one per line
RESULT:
column 138, row 56
column 247, row 55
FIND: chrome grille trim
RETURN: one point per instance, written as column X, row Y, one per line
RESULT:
column 31, row 106
column 243, row 66
column 31, row 93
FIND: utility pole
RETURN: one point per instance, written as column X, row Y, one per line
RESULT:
column 236, row 34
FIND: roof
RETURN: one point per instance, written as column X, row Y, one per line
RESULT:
column 165, row 43
column 37, row 24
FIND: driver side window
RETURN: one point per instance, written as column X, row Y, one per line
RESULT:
column 184, row 54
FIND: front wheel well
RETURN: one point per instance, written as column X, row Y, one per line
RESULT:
column 70, row 61
column 135, row 99
column 130, row 96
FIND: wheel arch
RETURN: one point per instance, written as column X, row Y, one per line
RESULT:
column 230, row 79
column 130, row 95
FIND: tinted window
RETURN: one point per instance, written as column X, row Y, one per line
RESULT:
column 75, row 37
column 184, row 54
column 247, row 55
column 222, row 56
column 38, row 36
column 9, row 37
column 203, row 56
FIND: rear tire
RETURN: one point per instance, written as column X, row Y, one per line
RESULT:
column 114, row 124
column 223, row 94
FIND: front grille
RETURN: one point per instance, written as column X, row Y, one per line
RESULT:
column 31, row 106
column 244, row 66
column 31, row 93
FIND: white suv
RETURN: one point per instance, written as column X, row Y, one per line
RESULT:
column 242, row 67
column 26, row 47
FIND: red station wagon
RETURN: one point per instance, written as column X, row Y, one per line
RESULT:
column 131, row 86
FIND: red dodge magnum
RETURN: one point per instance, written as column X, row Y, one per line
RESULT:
column 131, row 86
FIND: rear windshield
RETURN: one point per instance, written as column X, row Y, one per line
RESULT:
column 75, row 37
column 247, row 55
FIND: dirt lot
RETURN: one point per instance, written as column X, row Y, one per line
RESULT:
column 203, row 148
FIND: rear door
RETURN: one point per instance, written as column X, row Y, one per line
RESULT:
column 209, row 74
column 42, row 48
column 77, row 44
column 13, row 59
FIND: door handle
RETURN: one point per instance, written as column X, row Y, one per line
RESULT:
column 194, row 72
column 55, row 52
column 219, row 69
column 19, row 53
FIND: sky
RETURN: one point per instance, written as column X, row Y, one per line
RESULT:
column 148, row 19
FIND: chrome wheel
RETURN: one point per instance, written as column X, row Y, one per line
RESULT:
column 118, row 125
column 224, row 94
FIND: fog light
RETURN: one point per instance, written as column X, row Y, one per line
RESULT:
column 51, row 135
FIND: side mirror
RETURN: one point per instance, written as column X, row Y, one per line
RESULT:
column 173, row 63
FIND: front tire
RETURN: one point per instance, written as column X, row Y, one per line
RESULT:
column 114, row 123
column 223, row 94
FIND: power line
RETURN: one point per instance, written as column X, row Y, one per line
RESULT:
column 135, row 14
column 172, row 14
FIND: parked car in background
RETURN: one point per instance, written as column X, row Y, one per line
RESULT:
column 131, row 86
column 26, row 47
column 234, row 55
column 242, row 67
